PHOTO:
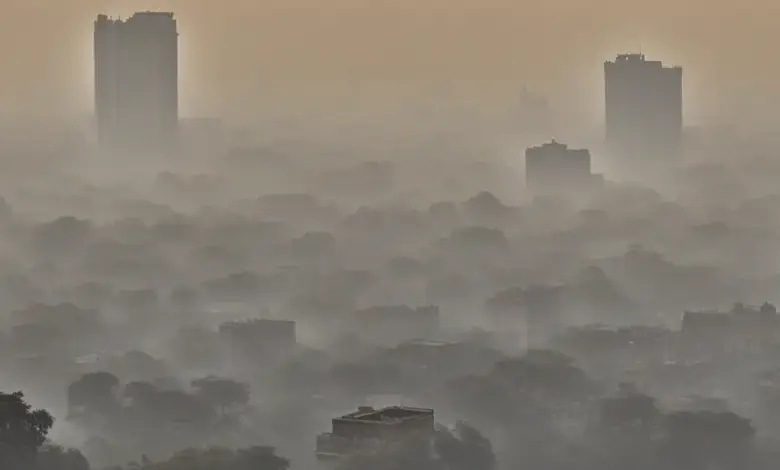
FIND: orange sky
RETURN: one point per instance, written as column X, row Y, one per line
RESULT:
column 241, row 54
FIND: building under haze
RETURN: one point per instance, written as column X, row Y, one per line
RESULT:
column 644, row 122
column 556, row 168
column 368, row 430
column 136, row 82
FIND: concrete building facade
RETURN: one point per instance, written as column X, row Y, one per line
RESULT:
column 556, row 168
column 643, row 111
column 136, row 82
column 368, row 429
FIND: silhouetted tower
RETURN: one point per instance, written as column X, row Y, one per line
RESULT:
column 136, row 82
column 644, row 123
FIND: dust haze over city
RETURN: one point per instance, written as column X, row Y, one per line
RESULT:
column 347, row 236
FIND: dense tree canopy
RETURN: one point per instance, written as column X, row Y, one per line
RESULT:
column 461, row 448
column 23, row 430
column 218, row 458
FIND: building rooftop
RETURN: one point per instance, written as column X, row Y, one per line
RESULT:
column 638, row 58
column 368, row 428
column 554, row 145
column 429, row 343
column 154, row 13
column 137, row 15
column 388, row 415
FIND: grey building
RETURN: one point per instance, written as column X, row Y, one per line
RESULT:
column 555, row 168
column 644, row 114
column 368, row 430
column 136, row 82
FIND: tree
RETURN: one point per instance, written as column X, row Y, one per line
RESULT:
column 222, row 393
column 138, row 365
column 22, row 431
column 52, row 457
column 94, row 391
column 259, row 458
column 628, row 425
column 139, row 392
column 461, row 448
column 706, row 439
column 486, row 208
column 314, row 245
column 464, row 448
column 164, row 407
column 630, row 411
column 544, row 372
column 478, row 239
column 543, row 387
column 218, row 458
column 62, row 235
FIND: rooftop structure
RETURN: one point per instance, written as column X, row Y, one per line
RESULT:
column 367, row 429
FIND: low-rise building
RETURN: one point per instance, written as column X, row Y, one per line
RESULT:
column 743, row 329
column 554, row 168
column 368, row 430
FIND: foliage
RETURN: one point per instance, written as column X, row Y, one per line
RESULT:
column 219, row 458
column 23, row 430
column 51, row 457
column 222, row 393
column 93, row 392
column 462, row 448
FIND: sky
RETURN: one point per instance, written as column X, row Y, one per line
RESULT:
column 240, row 55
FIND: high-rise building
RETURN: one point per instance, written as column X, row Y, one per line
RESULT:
column 644, row 121
column 136, row 82
column 556, row 168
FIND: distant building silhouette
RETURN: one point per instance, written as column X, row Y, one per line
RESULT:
column 706, row 334
column 555, row 168
column 369, row 430
column 644, row 122
column 136, row 82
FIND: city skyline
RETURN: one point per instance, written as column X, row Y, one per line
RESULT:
column 297, row 58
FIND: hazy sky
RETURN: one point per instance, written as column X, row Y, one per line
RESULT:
column 241, row 54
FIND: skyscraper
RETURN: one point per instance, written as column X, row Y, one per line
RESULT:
column 643, row 111
column 136, row 82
